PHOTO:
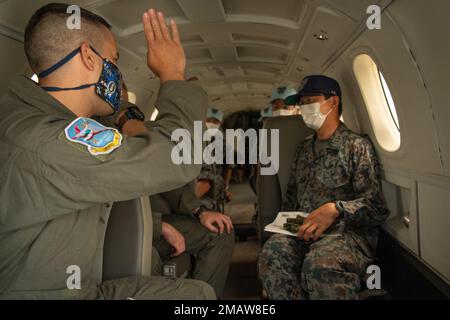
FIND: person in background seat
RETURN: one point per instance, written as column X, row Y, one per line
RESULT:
column 264, row 114
column 183, row 224
column 213, row 182
column 279, row 107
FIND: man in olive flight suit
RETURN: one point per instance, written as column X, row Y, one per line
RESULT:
column 60, row 170
column 335, row 177
column 185, row 225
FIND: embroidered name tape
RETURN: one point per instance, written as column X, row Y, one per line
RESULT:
column 98, row 139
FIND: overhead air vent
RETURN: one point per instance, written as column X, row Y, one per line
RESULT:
column 239, row 37
column 262, row 54
column 198, row 54
column 192, row 40
column 283, row 9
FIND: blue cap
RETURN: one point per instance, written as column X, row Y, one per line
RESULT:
column 282, row 93
column 266, row 112
column 215, row 114
column 314, row 86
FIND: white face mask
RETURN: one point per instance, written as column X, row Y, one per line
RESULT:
column 283, row 113
column 211, row 125
column 212, row 130
column 312, row 115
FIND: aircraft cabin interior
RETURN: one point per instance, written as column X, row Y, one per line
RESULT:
column 391, row 61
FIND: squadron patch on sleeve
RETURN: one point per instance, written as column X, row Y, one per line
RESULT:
column 98, row 139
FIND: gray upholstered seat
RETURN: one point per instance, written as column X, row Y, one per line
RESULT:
column 271, row 189
column 128, row 240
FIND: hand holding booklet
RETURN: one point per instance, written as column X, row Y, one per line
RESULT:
column 282, row 225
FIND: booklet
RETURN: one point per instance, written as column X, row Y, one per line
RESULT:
column 277, row 225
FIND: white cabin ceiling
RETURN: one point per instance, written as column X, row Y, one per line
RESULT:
column 239, row 49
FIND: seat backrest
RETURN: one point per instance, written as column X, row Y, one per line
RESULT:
column 272, row 189
column 128, row 240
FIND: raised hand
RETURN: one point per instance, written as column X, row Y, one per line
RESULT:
column 165, row 56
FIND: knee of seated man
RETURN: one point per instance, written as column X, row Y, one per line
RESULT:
column 280, row 245
column 320, row 259
column 205, row 290
column 224, row 240
column 228, row 239
column 318, row 263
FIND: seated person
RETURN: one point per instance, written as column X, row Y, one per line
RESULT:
column 61, row 170
column 183, row 224
column 252, row 180
column 336, row 178
column 213, row 181
column 277, row 101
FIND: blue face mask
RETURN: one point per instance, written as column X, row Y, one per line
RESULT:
column 108, row 87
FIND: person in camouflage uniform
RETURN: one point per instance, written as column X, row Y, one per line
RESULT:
column 211, row 187
column 335, row 177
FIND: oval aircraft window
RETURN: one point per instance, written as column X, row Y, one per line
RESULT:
column 390, row 100
column 379, row 102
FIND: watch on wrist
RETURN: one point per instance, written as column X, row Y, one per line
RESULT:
column 199, row 211
column 131, row 113
column 340, row 209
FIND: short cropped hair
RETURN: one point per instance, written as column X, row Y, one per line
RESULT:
column 48, row 39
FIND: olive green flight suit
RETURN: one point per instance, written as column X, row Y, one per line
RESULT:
column 212, row 252
column 55, row 196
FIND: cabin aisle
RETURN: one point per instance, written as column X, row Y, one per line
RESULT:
column 242, row 280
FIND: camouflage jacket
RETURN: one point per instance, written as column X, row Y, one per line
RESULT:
column 343, row 169
column 214, row 199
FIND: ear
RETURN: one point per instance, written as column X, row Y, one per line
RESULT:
column 88, row 56
column 336, row 101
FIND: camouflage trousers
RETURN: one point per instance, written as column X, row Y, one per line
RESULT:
column 329, row 269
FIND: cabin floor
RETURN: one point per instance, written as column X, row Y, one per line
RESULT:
column 243, row 283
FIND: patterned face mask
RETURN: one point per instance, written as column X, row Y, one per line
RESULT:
column 108, row 87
